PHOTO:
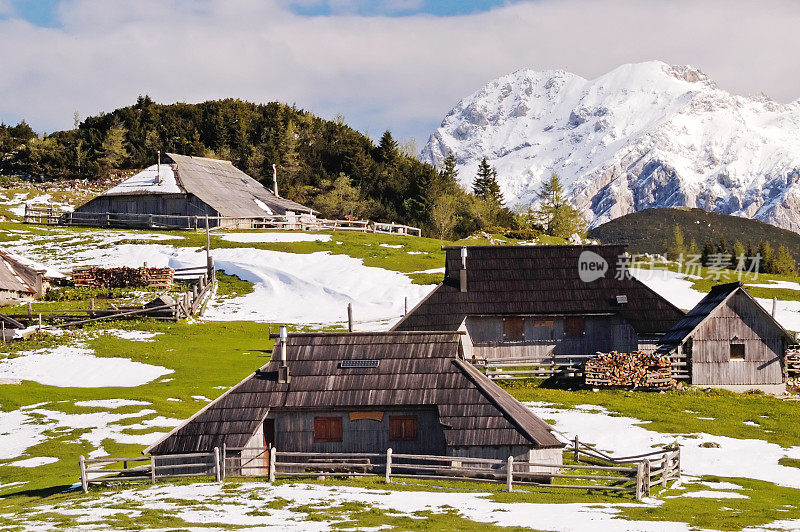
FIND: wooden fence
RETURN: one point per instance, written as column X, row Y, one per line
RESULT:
column 792, row 361
column 51, row 215
column 591, row 470
column 560, row 366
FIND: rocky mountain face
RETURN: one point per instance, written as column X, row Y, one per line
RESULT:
column 644, row 135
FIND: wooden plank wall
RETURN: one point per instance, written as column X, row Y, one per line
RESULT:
column 764, row 345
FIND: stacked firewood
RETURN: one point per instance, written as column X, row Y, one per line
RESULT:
column 123, row 277
column 640, row 370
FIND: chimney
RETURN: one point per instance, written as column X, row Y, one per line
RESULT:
column 275, row 181
column 158, row 169
column 283, row 368
column 463, row 273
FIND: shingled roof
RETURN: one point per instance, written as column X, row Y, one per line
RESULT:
column 15, row 276
column 537, row 280
column 703, row 310
column 418, row 369
column 216, row 182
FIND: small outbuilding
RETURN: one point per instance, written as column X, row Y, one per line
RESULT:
column 535, row 302
column 413, row 392
column 728, row 338
column 19, row 282
column 185, row 186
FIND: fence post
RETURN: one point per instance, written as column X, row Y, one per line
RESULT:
column 639, row 480
column 647, row 478
column 665, row 465
column 577, row 449
column 510, row 474
column 272, row 460
column 84, row 480
column 152, row 469
column 349, row 317
column 224, row 460
column 217, row 473
column 389, row 465
column 678, row 463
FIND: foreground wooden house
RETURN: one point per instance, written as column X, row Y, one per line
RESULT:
column 19, row 282
column 413, row 392
column 535, row 302
column 184, row 186
column 728, row 338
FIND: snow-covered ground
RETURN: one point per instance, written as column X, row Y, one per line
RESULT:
column 289, row 236
column 77, row 366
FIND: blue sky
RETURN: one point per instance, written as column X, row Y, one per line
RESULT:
column 43, row 13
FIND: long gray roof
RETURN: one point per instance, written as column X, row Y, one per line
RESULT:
column 218, row 183
column 538, row 280
column 415, row 369
column 15, row 276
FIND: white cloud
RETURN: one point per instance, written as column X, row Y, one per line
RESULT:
column 400, row 73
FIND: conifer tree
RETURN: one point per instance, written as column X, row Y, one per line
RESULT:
column 767, row 257
column 677, row 250
column 738, row 252
column 694, row 249
column 486, row 186
column 722, row 247
column 555, row 213
column 113, row 149
column 387, row 149
column 708, row 249
column 784, row 263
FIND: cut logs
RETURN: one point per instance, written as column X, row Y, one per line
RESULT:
column 639, row 370
column 123, row 277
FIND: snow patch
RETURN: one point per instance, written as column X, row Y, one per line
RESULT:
column 274, row 237
column 36, row 461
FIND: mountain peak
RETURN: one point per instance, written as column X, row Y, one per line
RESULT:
column 646, row 134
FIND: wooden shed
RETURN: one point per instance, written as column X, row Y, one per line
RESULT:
column 728, row 338
column 531, row 302
column 364, row 393
column 19, row 282
column 185, row 186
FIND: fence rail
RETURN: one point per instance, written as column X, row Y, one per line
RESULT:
column 792, row 361
column 52, row 215
column 634, row 474
column 562, row 366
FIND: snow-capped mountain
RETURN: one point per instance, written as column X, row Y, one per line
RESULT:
column 643, row 135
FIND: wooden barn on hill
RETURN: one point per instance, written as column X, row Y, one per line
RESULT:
column 364, row 393
column 728, row 338
column 531, row 302
column 19, row 282
column 184, row 186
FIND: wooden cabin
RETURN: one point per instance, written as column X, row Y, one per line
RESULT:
column 19, row 282
column 728, row 338
column 184, row 186
column 531, row 302
column 413, row 392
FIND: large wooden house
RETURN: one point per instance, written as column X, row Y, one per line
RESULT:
column 728, row 338
column 184, row 186
column 413, row 392
column 535, row 302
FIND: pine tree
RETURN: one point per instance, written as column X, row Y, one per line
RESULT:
column 449, row 171
column 556, row 215
column 708, row 249
column 767, row 257
column 694, row 249
column 784, row 263
column 113, row 149
column 486, row 186
column 677, row 250
column 387, row 149
column 722, row 247
column 739, row 255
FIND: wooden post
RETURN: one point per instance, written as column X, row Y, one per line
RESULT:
column 30, row 310
column 91, row 304
column 510, row 474
column 576, row 449
column 152, row 469
column 224, row 459
column 217, row 472
column 272, row 460
column 665, row 469
column 350, row 317
column 647, row 478
column 639, row 480
column 40, row 322
column 678, row 463
column 405, row 312
column 389, row 465
column 3, row 332
column 84, row 480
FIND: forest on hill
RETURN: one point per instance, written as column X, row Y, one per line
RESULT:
column 321, row 163
column 654, row 231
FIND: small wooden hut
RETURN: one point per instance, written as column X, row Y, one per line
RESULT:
column 185, row 186
column 364, row 393
column 728, row 338
column 19, row 282
column 534, row 302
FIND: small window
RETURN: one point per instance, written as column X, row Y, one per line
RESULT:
column 737, row 351
column 513, row 329
column 327, row 429
column 403, row 428
column 574, row 327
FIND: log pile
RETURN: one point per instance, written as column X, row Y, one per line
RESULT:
column 123, row 277
column 640, row 370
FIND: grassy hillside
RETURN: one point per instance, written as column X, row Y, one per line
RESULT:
column 647, row 231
